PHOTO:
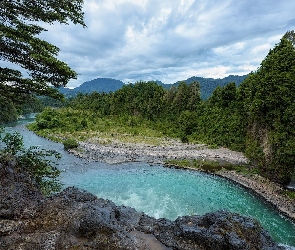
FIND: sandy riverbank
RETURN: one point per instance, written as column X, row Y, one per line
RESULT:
column 116, row 152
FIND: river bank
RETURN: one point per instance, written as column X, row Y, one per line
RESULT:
column 269, row 191
column 77, row 219
column 118, row 152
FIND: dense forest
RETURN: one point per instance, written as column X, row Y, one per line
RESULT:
column 207, row 85
column 257, row 117
column 11, row 109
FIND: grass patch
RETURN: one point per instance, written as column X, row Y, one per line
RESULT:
column 208, row 165
column 99, row 130
column 290, row 194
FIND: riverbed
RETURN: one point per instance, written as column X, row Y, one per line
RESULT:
column 163, row 192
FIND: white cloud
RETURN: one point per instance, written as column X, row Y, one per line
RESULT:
column 171, row 40
column 263, row 48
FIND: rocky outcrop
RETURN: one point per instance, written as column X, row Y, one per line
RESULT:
column 76, row 219
column 19, row 196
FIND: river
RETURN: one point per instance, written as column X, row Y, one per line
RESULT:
column 159, row 191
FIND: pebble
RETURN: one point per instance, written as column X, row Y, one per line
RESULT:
column 143, row 152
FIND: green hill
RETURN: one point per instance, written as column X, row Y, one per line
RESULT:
column 96, row 85
column 111, row 85
column 209, row 84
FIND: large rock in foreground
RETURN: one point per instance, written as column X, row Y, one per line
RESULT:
column 75, row 219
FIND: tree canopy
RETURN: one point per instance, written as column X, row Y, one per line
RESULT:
column 20, row 44
column 256, row 117
column 268, row 99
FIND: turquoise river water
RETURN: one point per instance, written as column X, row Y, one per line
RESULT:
column 162, row 192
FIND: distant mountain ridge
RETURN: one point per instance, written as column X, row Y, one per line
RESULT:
column 111, row 85
column 99, row 85
column 208, row 85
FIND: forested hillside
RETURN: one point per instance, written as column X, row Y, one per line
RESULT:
column 11, row 110
column 96, row 85
column 207, row 85
column 257, row 117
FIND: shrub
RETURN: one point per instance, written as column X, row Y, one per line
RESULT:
column 184, row 139
column 84, row 123
column 70, row 143
column 42, row 124
column 37, row 162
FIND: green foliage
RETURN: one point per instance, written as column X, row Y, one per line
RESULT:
column 210, row 166
column 178, row 112
column 8, row 111
column 70, row 143
column 48, row 119
column 290, row 36
column 20, row 28
column 184, row 138
column 84, row 123
column 220, row 121
column 253, row 151
column 268, row 99
column 140, row 99
column 33, row 104
column 208, row 85
column 13, row 143
column 258, row 117
column 290, row 194
column 46, row 101
column 224, row 97
column 187, row 122
column 39, row 163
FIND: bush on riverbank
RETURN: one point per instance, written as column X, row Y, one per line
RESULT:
column 70, row 143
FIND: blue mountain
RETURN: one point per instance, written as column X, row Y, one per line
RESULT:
column 111, row 85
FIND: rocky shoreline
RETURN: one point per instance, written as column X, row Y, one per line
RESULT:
column 117, row 152
column 77, row 219
column 267, row 190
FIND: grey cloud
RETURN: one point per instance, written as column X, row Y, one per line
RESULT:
column 170, row 40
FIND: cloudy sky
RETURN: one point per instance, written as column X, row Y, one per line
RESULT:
column 171, row 40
